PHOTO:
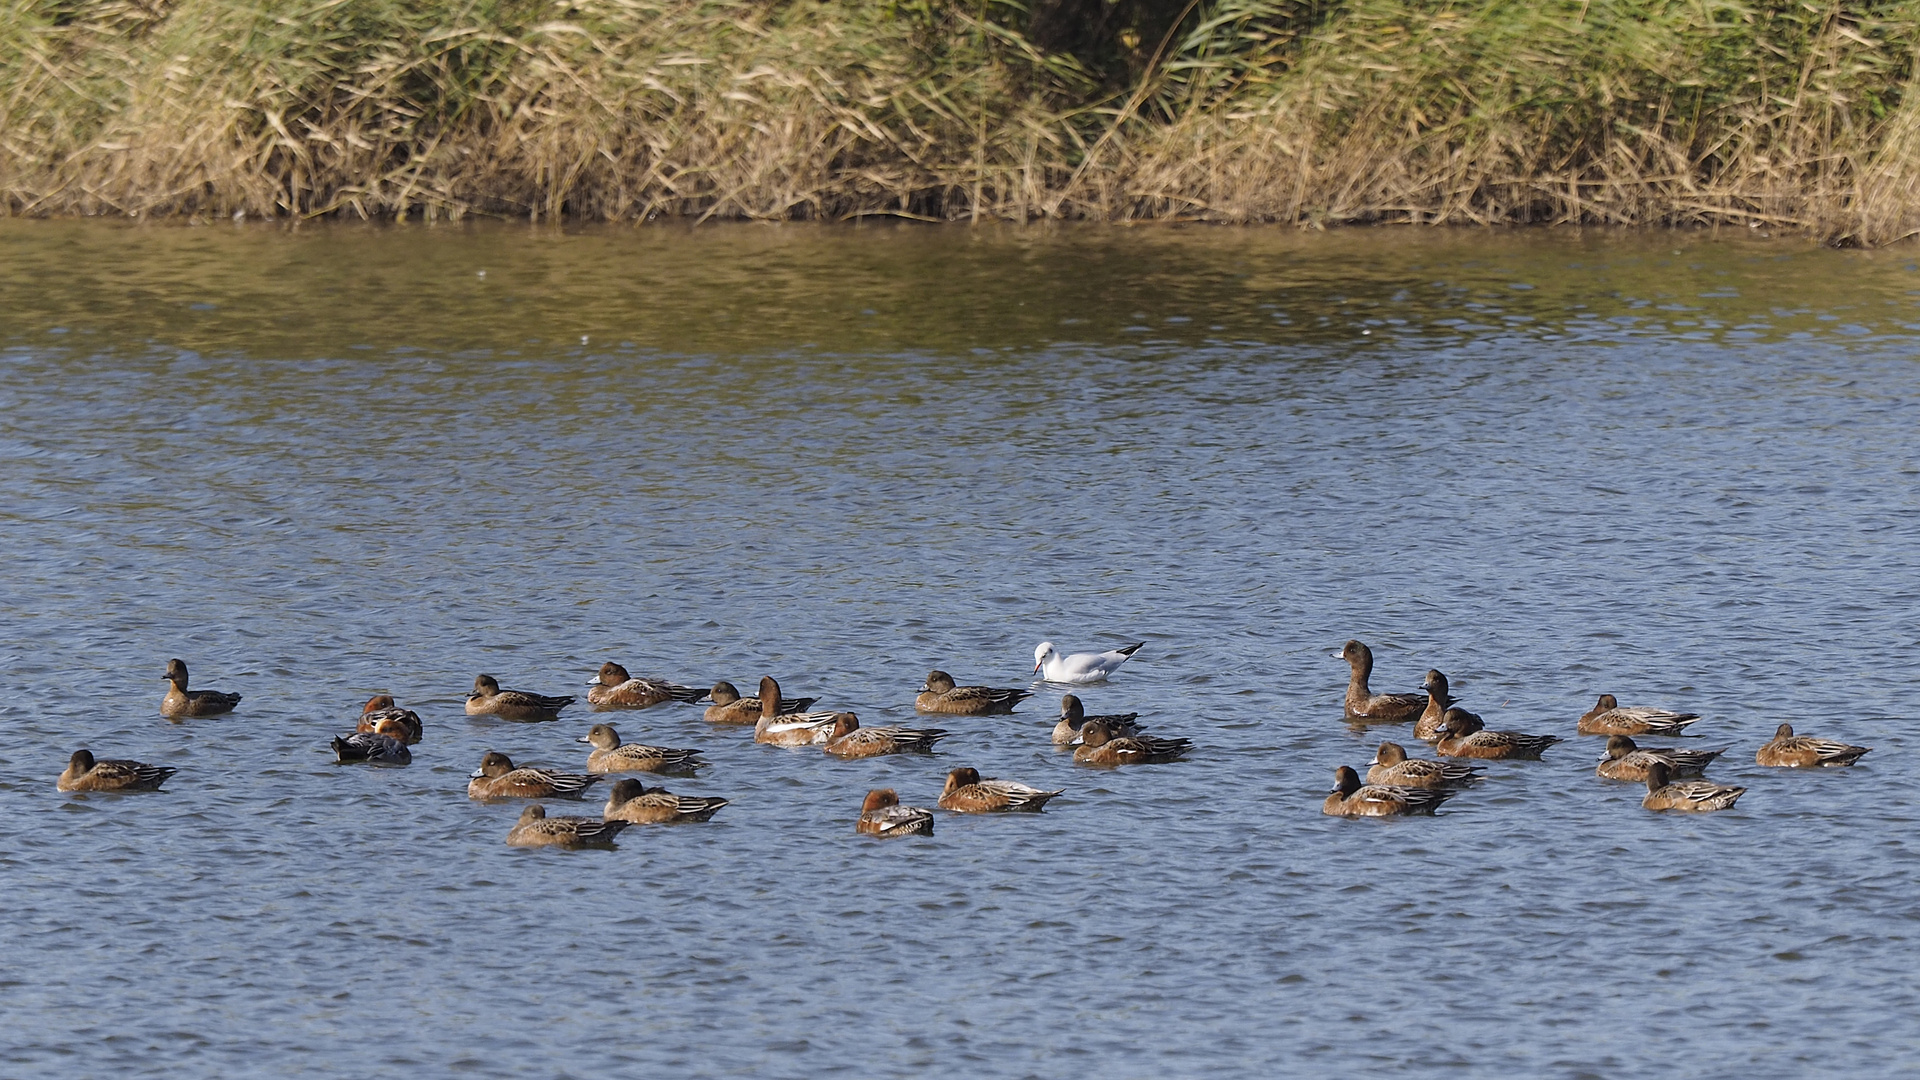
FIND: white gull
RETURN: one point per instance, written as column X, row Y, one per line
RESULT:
column 1085, row 667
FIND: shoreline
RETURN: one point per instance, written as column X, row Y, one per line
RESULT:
column 1372, row 112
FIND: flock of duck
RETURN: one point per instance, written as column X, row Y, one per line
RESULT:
column 1395, row 783
column 385, row 732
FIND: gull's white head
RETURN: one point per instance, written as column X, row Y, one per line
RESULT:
column 1040, row 654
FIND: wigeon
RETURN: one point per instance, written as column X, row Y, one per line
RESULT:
column 1363, row 703
column 536, row 829
column 1467, row 737
column 882, row 815
column 1073, row 717
column 1352, row 799
column 1391, row 767
column 1696, row 796
column 613, row 688
column 849, row 740
column 1607, row 717
column 488, row 699
column 940, row 695
column 179, row 702
column 631, row 801
column 730, row 708
column 1789, row 751
column 967, row 793
column 610, row 755
column 1627, row 760
column 83, row 773
column 496, row 778
column 1098, row 746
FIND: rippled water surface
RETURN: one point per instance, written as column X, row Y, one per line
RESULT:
column 1684, row 469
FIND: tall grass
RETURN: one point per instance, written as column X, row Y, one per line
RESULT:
column 1786, row 114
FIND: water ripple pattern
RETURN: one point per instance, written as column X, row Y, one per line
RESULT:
column 331, row 462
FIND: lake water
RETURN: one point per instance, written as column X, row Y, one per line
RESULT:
column 1681, row 468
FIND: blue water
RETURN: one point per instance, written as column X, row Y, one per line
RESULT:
column 317, row 465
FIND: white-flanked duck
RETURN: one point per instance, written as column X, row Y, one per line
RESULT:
column 882, row 815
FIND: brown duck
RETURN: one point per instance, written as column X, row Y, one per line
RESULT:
column 1789, row 751
column 83, row 773
column 180, row 702
column 631, row 801
column 1467, row 737
column 967, row 793
column 1350, row 798
column 1363, row 703
column 940, row 695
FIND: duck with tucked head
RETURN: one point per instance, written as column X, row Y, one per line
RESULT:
column 1362, row 703
column 1627, row 760
column 730, row 708
column 487, row 699
column 1689, row 796
column 789, row 728
column 179, row 701
column 1099, row 746
column 882, row 815
column 1607, row 717
column 381, row 707
column 1789, row 751
column 631, row 801
column 610, row 755
column 496, row 778
column 849, row 740
column 1391, row 767
column 386, row 744
column 536, row 829
column 967, row 793
column 1467, row 737
column 940, row 695
column 84, row 773
column 1073, row 717
column 613, row 688
column 1350, row 798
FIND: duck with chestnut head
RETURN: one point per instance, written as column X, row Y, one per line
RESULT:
column 882, row 815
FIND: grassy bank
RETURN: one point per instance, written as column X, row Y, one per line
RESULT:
column 1785, row 114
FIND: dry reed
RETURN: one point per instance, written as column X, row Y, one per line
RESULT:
column 1711, row 112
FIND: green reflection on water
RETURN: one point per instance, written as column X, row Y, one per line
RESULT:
column 747, row 289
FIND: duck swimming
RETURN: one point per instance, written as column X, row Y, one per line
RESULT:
column 179, row 702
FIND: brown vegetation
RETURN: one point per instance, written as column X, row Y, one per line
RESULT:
column 1589, row 111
